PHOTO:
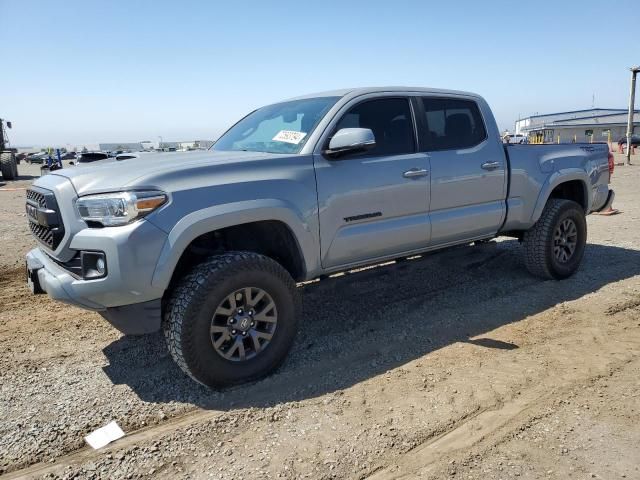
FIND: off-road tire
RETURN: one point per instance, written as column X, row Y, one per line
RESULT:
column 8, row 166
column 189, row 310
column 539, row 240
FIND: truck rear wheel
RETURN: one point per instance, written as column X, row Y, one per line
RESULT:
column 8, row 165
column 554, row 246
column 232, row 319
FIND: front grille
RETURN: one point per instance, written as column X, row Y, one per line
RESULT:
column 37, row 197
column 45, row 221
column 44, row 234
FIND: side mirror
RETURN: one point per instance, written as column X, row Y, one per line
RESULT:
column 350, row 140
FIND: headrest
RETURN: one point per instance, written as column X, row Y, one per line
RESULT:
column 458, row 125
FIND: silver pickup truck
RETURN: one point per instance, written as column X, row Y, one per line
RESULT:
column 208, row 246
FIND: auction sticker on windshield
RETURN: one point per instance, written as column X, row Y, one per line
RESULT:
column 289, row 136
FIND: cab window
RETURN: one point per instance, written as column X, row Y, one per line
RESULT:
column 451, row 124
column 390, row 121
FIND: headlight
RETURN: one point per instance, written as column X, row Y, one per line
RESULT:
column 119, row 208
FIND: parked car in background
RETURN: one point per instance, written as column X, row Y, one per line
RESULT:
column 130, row 155
column 39, row 157
column 42, row 157
column 515, row 138
column 622, row 142
column 89, row 157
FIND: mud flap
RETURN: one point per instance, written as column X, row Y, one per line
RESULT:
column 607, row 205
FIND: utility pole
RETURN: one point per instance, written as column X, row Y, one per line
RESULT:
column 632, row 101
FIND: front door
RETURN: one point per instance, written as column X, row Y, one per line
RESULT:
column 468, row 171
column 374, row 204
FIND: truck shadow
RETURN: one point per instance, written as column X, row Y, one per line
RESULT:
column 357, row 326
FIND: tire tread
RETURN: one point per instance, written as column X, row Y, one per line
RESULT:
column 190, row 294
column 537, row 239
column 8, row 166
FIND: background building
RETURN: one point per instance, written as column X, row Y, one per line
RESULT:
column 121, row 147
column 593, row 125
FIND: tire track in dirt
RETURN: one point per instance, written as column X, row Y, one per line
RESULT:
column 487, row 424
column 479, row 256
column 462, row 433
column 289, row 381
column 418, row 292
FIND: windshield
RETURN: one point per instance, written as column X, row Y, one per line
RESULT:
column 280, row 128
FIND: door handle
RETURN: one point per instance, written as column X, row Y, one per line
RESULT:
column 490, row 165
column 415, row 173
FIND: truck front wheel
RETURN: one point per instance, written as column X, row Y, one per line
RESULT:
column 232, row 319
column 554, row 246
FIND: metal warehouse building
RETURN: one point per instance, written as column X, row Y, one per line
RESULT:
column 118, row 147
column 593, row 125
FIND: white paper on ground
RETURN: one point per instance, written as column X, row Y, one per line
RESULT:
column 104, row 435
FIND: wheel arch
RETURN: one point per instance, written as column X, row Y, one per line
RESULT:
column 569, row 184
column 241, row 223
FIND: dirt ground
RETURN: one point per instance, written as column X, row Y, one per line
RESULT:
column 453, row 365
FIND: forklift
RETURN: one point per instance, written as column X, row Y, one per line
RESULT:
column 8, row 164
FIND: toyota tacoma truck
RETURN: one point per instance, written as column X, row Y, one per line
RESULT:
column 208, row 246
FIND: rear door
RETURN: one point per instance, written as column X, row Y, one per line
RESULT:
column 374, row 204
column 468, row 170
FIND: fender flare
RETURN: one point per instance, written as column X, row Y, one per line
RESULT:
column 558, row 178
column 217, row 217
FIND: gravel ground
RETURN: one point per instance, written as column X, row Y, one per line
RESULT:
column 452, row 365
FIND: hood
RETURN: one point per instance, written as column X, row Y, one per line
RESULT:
column 149, row 170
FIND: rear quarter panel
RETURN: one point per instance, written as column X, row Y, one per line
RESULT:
column 537, row 169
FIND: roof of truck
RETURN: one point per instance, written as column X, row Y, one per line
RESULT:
column 364, row 90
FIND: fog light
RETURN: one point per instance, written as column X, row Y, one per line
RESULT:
column 94, row 265
column 101, row 266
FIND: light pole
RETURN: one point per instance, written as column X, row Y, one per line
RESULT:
column 632, row 99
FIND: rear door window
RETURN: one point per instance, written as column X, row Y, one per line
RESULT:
column 451, row 124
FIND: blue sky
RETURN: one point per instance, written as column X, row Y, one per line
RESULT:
column 89, row 71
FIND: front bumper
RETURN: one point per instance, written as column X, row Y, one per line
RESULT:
column 46, row 276
column 125, row 296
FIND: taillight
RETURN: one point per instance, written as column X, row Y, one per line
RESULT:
column 611, row 164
